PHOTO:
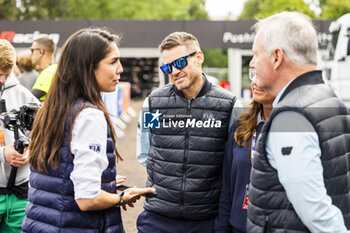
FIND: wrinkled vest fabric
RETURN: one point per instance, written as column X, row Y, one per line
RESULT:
column 52, row 208
column 185, row 163
column 269, row 209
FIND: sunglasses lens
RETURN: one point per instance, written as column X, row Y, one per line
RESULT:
column 180, row 63
column 166, row 69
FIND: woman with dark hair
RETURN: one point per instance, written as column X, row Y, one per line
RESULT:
column 232, row 215
column 72, row 152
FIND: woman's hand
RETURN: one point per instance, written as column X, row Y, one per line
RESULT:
column 131, row 195
column 120, row 179
column 106, row 200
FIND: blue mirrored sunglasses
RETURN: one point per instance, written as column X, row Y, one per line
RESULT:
column 179, row 64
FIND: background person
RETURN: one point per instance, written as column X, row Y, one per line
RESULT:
column 184, row 163
column 301, row 170
column 232, row 216
column 43, row 51
column 13, row 198
column 28, row 75
column 73, row 178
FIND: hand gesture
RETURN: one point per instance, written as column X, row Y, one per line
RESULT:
column 131, row 195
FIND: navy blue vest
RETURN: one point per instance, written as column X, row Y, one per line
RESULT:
column 52, row 208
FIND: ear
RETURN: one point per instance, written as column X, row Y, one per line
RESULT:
column 200, row 57
column 277, row 58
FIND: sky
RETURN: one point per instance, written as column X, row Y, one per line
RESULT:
column 222, row 8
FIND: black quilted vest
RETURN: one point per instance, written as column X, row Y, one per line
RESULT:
column 269, row 209
column 185, row 163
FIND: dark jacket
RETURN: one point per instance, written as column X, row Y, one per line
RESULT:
column 52, row 208
column 269, row 208
column 235, row 178
column 184, row 163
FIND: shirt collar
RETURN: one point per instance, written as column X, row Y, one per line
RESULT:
column 278, row 97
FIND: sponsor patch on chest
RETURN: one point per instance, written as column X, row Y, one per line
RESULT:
column 95, row 147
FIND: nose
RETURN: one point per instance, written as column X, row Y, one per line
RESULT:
column 251, row 63
column 253, row 82
column 119, row 69
column 174, row 71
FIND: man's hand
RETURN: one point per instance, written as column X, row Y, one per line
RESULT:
column 13, row 157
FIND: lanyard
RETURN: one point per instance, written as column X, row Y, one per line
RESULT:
column 253, row 147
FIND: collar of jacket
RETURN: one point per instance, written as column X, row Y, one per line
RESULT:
column 308, row 78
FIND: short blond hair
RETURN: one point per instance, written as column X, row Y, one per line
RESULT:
column 180, row 38
column 47, row 44
column 7, row 55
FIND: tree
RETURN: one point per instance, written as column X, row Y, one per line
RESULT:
column 215, row 58
column 8, row 9
column 332, row 9
column 103, row 9
column 250, row 10
column 155, row 9
column 254, row 9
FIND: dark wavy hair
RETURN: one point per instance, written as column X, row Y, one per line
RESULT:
column 74, row 79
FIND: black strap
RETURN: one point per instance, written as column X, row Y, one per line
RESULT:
column 21, row 191
column 12, row 178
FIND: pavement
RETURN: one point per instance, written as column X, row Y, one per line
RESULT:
column 136, row 174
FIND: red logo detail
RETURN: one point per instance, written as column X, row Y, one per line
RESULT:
column 8, row 35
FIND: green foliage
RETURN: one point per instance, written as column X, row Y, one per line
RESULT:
column 215, row 58
column 8, row 9
column 254, row 9
column 332, row 9
column 270, row 7
column 103, row 9
column 250, row 10
column 155, row 9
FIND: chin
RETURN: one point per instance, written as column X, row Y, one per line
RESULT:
column 110, row 89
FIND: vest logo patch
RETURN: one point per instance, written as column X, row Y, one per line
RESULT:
column 208, row 116
column 286, row 150
column 95, row 147
column 157, row 120
column 151, row 120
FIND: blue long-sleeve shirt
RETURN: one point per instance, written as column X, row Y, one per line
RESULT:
column 235, row 177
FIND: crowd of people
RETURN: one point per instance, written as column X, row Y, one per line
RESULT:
column 280, row 164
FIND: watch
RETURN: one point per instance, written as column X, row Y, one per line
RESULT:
column 121, row 199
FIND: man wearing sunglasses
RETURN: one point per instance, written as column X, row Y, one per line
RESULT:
column 184, row 153
column 42, row 52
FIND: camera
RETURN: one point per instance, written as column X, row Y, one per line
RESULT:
column 23, row 118
column 16, row 120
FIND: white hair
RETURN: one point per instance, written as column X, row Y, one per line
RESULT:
column 293, row 32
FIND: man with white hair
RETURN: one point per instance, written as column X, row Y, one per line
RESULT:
column 300, row 180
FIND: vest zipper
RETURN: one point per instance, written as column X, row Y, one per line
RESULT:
column 184, row 163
